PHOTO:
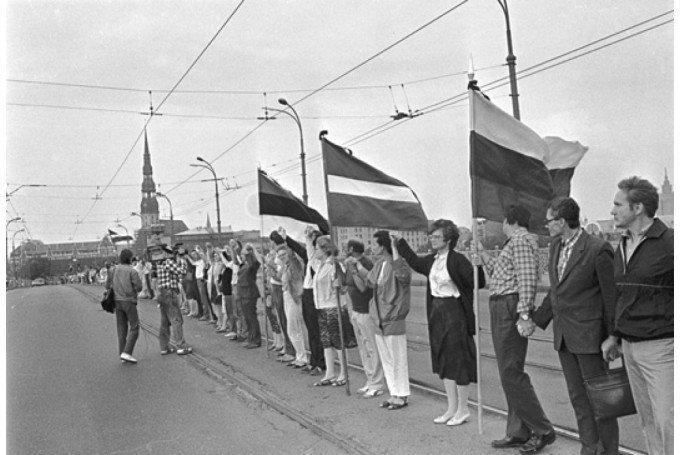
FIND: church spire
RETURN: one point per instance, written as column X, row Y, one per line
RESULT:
column 149, row 206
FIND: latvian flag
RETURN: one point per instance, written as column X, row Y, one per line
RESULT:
column 116, row 238
column 511, row 164
column 361, row 195
column 278, row 201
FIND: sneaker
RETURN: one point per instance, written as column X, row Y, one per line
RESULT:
column 125, row 357
column 167, row 351
column 185, row 351
column 230, row 335
column 286, row 358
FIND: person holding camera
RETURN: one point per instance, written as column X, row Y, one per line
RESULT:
column 169, row 273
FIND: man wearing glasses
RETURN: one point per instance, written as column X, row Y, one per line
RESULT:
column 581, row 305
column 512, row 290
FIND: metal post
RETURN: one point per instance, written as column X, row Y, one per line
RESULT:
column 296, row 117
column 172, row 220
column 209, row 167
column 511, row 61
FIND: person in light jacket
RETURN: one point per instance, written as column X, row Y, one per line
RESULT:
column 126, row 284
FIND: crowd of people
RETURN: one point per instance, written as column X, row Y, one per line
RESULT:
column 320, row 301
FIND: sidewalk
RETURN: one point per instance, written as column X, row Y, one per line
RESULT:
column 361, row 421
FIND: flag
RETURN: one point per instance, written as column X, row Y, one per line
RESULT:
column 276, row 200
column 115, row 237
column 361, row 195
column 511, row 164
column 563, row 157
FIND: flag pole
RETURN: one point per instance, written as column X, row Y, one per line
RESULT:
column 343, row 360
column 264, row 275
column 475, row 240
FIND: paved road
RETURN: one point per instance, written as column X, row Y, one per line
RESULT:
column 67, row 393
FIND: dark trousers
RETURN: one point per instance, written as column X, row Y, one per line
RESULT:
column 203, row 300
column 310, row 315
column 597, row 436
column 525, row 414
column 277, row 300
column 126, row 313
column 248, row 298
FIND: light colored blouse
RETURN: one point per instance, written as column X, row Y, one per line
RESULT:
column 441, row 284
column 324, row 287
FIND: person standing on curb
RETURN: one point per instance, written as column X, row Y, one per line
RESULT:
column 580, row 304
column 126, row 284
column 513, row 280
column 169, row 274
column 643, row 272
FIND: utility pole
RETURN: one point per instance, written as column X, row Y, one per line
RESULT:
column 208, row 166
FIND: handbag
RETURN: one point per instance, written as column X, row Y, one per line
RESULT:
column 108, row 301
column 610, row 394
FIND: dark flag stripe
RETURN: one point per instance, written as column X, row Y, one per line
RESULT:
column 339, row 162
column 561, row 179
column 350, row 210
column 276, row 200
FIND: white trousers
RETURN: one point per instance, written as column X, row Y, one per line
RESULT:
column 365, row 329
column 649, row 365
column 295, row 325
column 392, row 351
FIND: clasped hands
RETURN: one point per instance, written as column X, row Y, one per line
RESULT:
column 526, row 328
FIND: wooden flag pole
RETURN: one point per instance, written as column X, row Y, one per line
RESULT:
column 343, row 360
column 475, row 240
column 264, row 287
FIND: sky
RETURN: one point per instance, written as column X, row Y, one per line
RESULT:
column 618, row 100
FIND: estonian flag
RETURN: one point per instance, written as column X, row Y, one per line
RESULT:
column 511, row 164
column 361, row 195
column 278, row 201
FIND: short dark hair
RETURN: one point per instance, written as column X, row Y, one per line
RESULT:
column 516, row 214
column 383, row 239
column 126, row 256
column 567, row 208
column 641, row 191
column 315, row 235
column 356, row 246
column 276, row 238
column 449, row 231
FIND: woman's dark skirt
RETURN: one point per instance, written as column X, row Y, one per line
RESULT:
column 452, row 348
column 330, row 329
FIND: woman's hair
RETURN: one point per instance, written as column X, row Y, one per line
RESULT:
column 295, row 267
column 449, row 231
column 325, row 241
column 383, row 239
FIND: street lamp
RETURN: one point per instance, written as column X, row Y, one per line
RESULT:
column 511, row 61
column 209, row 167
column 18, row 218
column 172, row 222
column 296, row 118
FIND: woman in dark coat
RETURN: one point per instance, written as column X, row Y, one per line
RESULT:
column 450, row 315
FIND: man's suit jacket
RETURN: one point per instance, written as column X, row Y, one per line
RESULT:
column 582, row 303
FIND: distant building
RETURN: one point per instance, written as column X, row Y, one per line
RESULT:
column 415, row 239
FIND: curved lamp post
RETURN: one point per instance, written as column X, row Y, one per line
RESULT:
column 205, row 165
column 172, row 220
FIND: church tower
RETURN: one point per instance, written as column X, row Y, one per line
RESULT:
column 149, row 207
column 666, row 197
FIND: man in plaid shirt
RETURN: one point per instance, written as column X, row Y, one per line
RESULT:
column 169, row 274
column 512, row 290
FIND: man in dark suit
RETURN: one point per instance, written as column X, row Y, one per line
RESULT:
column 581, row 305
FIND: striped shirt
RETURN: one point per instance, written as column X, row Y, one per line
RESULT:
column 169, row 274
column 565, row 253
column 515, row 271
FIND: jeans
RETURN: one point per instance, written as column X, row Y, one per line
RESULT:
column 247, row 297
column 171, row 320
column 310, row 315
column 525, row 414
column 279, row 306
column 650, row 371
column 296, row 326
column 126, row 313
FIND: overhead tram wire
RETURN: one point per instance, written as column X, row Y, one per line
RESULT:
column 503, row 81
column 377, row 54
column 205, row 48
column 249, row 92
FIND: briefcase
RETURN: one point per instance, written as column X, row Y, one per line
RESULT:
column 610, row 394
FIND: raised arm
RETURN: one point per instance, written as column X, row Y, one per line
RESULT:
column 417, row 263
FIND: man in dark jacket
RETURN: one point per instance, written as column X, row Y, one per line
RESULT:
column 581, row 305
column 643, row 271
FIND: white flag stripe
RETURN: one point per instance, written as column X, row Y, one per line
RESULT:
column 563, row 154
column 344, row 185
column 503, row 129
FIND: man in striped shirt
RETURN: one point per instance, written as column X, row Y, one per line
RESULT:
column 169, row 274
column 512, row 290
